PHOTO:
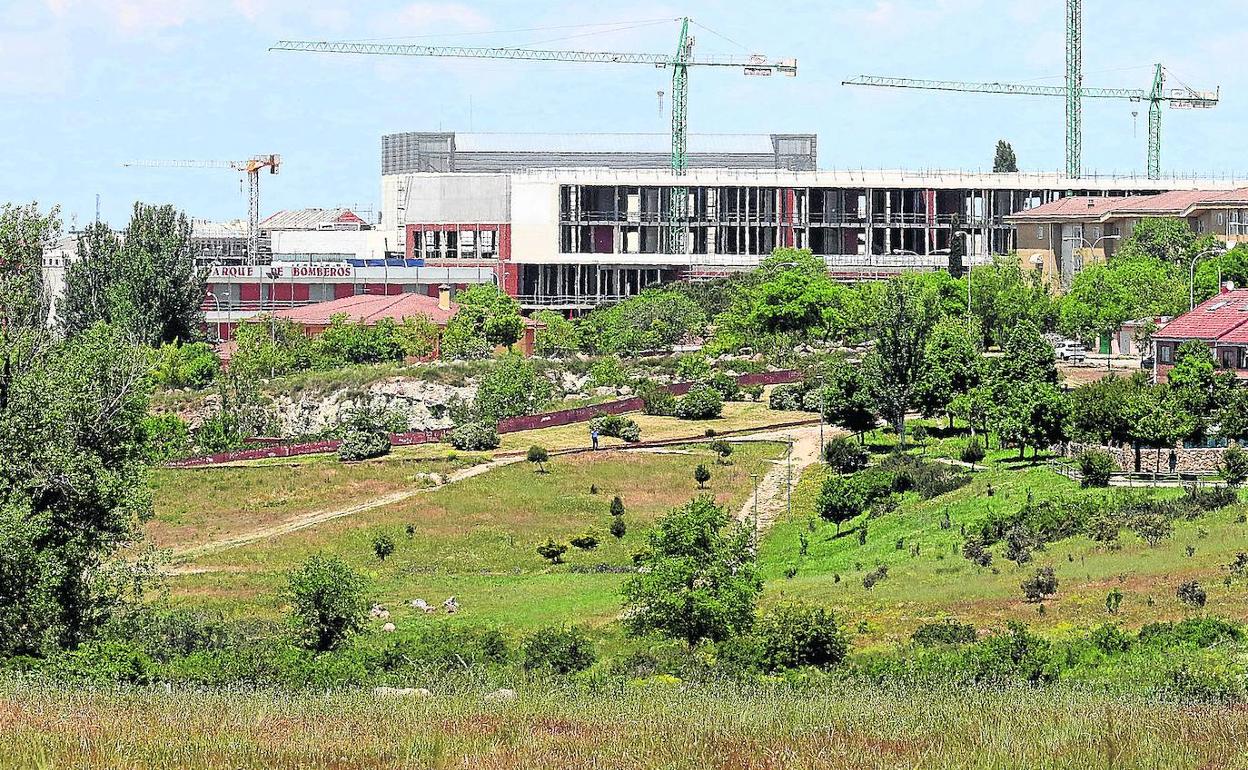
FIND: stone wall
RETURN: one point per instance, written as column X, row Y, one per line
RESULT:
column 1201, row 461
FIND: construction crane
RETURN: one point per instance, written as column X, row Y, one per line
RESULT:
column 251, row 168
column 679, row 63
column 1074, row 92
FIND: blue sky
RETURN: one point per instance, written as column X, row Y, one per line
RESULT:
column 88, row 84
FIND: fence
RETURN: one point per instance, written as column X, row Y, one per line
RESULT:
column 508, row 425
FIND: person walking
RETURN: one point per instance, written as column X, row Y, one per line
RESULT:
column 593, row 438
column 1174, row 461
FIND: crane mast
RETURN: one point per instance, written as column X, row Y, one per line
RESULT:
column 1074, row 93
column 675, row 241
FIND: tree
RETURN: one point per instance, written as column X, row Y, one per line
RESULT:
column 1099, row 410
column 722, row 450
column 618, row 528
column 1193, row 378
column 973, row 452
column 953, row 361
column 25, row 232
column 556, row 335
column 561, row 649
column 1031, row 414
column 1026, row 358
column 1234, row 465
column 538, row 456
column 1003, row 160
column 1003, row 295
column 498, row 321
column 1192, row 594
column 846, row 398
column 794, row 635
column 383, row 546
column 146, row 282
column 617, row 506
column 656, row 319
column 894, row 366
column 72, row 479
column 1157, row 419
column 1040, row 585
column 327, row 603
column 513, row 387
column 552, row 551
column 701, row 475
column 698, row 578
column 840, row 499
column 1168, row 239
column 1131, row 285
column 793, row 291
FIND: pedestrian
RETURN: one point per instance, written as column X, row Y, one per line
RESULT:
column 1173, row 460
column 593, row 437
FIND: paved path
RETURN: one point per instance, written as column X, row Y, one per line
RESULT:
column 773, row 486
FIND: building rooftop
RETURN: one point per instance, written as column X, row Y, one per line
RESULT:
column 1220, row 317
column 313, row 219
column 234, row 228
column 370, row 308
column 1074, row 207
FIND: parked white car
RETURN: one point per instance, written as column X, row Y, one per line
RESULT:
column 1071, row 352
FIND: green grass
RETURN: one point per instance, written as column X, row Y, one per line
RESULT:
column 476, row 539
column 835, row 727
column 939, row 582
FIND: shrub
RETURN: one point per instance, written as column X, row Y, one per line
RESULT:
column 1110, row 639
column 1152, row 526
column 363, row 445
column 474, row 437
column 796, row 635
column 539, row 457
column 618, row 528
column 657, row 400
column 875, row 576
column 1193, row 632
column 326, row 599
column 617, row 426
column 722, row 450
column 845, row 456
column 974, row 550
column 1192, row 593
column 1234, row 465
column 193, row 365
column 552, row 551
column 753, row 392
column 973, row 452
column 1014, row 656
column 165, row 437
column 585, row 542
column 786, row 398
column 1113, row 600
column 840, row 499
column 944, row 632
column 929, row 479
column 1040, row 585
column 561, row 649
column 1019, row 541
column 383, row 546
column 1096, row 466
column 701, row 475
column 726, row 385
column 702, row 402
column 607, row 372
column 617, row 506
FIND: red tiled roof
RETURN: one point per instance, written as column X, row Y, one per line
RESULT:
column 1218, row 318
column 1173, row 202
column 370, row 308
column 1075, row 206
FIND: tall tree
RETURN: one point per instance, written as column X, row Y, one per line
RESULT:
column 957, row 249
column 894, row 366
column 700, row 580
column 953, row 362
column 24, row 234
column 845, row 399
column 145, row 281
column 1003, row 161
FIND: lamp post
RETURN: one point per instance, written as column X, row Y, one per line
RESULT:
column 1091, row 247
column 969, row 264
column 754, row 478
column 217, row 300
column 1191, row 278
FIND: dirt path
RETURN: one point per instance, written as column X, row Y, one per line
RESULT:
column 773, row 486
column 805, row 451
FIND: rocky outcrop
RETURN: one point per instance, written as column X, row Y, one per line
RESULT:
column 424, row 405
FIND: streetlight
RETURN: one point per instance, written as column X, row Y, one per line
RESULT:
column 217, row 300
column 754, row 478
column 1191, row 279
column 969, row 264
column 1091, row 247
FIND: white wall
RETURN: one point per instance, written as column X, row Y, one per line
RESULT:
column 364, row 244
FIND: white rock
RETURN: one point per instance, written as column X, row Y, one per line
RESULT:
column 384, row 614
column 388, row 628
column 503, row 695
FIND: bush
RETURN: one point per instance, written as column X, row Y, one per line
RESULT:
column 617, row 506
column 1014, row 656
column 929, row 479
column 786, row 398
column 657, row 400
column 585, row 542
column 1192, row 593
column 165, row 437
column 1096, row 466
column 363, row 445
column 552, row 551
column 875, row 576
column 617, row 426
column 974, row 550
column 193, row 365
column 722, row 450
column 539, row 457
column 561, row 649
column 727, row 386
column 1193, row 632
column 383, row 546
column 753, row 392
column 474, row 437
column 845, row 456
column 701, row 475
column 702, row 402
column 944, row 632
column 974, row 451
column 618, row 528
column 1110, row 639
column 607, row 372
column 327, row 602
column 1040, row 585
column 1234, row 465
column 796, row 635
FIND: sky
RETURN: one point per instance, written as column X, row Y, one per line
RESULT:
column 87, row 85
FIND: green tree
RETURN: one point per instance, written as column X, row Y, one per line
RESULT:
column 513, row 387
column 846, row 398
column 1131, row 285
column 792, row 294
column 1166, row 239
column 656, row 319
column 957, row 250
column 1032, row 414
column 327, row 603
column 953, row 361
column 1026, row 357
column 1002, row 296
column 25, row 232
column 552, row 551
column 1234, row 465
column 894, row 366
column 383, row 546
column 1193, row 380
column 1158, row 420
column 146, row 281
column 1003, row 160
column 72, row 481
column 1099, row 410
column 840, row 499
column 701, row 475
column 794, row 635
column 539, row 457
column 556, row 335
column 699, row 579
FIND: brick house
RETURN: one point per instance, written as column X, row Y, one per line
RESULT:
column 1221, row 322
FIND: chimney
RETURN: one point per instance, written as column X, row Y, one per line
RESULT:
column 444, row 297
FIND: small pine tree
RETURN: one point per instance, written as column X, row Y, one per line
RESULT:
column 539, row 457
column 722, row 450
column 552, row 551
column 701, row 475
column 383, row 546
column 617, row 506
column 618, row 528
